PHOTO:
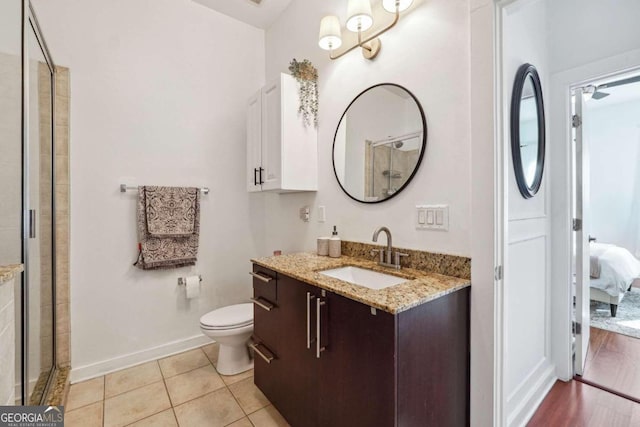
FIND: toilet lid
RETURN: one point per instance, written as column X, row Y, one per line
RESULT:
column 232, row 316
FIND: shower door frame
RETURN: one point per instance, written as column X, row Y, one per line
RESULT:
column 30, row 23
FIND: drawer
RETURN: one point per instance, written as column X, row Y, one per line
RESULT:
column 265, row 284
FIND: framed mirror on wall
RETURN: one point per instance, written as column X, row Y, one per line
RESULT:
column 527, row 130
column 379, row 143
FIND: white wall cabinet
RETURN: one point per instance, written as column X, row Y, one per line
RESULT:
column 282, row 153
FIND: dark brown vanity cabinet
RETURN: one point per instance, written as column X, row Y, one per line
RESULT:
column 369, row 367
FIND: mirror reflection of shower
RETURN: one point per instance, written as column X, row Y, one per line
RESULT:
column 390, row 163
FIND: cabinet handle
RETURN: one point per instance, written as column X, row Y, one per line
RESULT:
column 32, row 223
column 259, row 276
column 309, row 340
column 261, row 181
column 266, row 305
column 267, row 358
column 318, row 348
column 255, row 176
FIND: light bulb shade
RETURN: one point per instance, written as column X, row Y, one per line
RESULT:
column 330, row 36
column 390, row 5
column 359, row 15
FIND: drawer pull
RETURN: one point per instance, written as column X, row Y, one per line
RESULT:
column 267, row 358
column 259, row 276
column 262, row 304
column 319, row 348
column 309, row 298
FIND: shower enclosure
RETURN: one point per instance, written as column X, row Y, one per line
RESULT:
column 390, row 163
column 27, row 196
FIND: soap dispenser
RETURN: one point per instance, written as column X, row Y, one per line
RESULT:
column 335, row 244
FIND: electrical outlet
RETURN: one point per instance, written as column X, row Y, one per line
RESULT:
column 305, row 213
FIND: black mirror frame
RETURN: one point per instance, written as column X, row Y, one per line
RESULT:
column 422, row 151
column 525, row 71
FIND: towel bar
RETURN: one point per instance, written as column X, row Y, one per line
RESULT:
column 124, row 188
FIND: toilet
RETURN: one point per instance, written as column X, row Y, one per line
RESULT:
column 231, row 327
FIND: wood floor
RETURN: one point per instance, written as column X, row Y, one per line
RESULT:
column 574, row 404
column 613, row 361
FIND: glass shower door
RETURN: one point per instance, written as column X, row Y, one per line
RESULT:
column 39, row 277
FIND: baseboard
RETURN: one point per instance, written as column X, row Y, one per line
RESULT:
column 535, row 392
column 104, row 367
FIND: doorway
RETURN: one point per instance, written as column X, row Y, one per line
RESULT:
column 605, row 254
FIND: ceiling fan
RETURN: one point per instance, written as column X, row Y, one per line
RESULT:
column 596, row 91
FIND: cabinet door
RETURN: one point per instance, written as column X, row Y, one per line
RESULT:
column 298, row 401
column 357, row 367
column 254, row 138
column 271, row 136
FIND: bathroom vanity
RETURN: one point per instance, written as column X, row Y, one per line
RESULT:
column 332, row 353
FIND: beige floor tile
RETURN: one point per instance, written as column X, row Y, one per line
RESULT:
column 268, row 417
column 163, row 419
column 131, row 378
column 183, row 362
column 248, row 395
column 193, row 384
column 241, row 423
column 136, row 404
column 211, row 350
column 230, row 379
column 84, row 393
column 215, row 409
column 87, row 416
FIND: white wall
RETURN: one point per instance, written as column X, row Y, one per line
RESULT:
column 584, row 31
column 428, row 53
column 158, row 94
column 613, row 135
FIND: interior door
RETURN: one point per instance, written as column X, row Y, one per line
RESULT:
column 581, row 231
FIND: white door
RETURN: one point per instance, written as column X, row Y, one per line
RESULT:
column 581, row 228
column 271, row 136
column 254, row 138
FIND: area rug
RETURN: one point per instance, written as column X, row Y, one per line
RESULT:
column 627, row 320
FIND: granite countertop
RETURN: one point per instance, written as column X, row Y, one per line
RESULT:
column 8, row 272
column 420, row 287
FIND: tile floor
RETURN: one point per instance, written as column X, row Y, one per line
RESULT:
column 181, row 390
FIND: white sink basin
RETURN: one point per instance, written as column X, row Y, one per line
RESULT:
column 363, row 277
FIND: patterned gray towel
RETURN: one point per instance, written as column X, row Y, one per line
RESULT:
column 171, row 211
column 166, row 251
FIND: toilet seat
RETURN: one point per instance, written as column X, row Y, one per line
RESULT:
column 229, row 317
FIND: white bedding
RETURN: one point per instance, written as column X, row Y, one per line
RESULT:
column 618, row 268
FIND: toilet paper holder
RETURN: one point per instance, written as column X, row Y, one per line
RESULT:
column 183, row 280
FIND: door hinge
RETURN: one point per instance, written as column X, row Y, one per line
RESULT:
column 576, row 328
column 577, row 224
column 497, row 272
column 576, row 121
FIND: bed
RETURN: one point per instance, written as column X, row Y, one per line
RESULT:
column 613, row 270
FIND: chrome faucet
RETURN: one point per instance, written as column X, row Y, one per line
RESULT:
column 387, row 256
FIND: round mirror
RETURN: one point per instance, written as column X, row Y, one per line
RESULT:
column 379, row 143
column 527, row 130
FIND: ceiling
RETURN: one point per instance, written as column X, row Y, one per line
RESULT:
column 259, row 15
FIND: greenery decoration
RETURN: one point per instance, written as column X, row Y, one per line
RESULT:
column 307, row 76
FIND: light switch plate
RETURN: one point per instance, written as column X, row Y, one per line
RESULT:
column 322, row 214
column 432, row 217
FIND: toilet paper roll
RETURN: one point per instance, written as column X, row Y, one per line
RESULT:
column 193, row 287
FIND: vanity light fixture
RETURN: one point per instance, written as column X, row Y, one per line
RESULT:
column 359, row 20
